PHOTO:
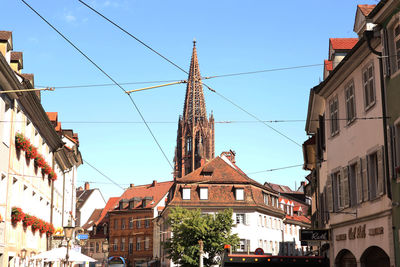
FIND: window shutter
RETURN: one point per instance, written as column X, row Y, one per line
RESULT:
column 365, row 179
column 246, row 219
column 359, row 184
column 329, row 193
column 392, row 151
column 345, row 180
column 381, row 174
column 335, row 187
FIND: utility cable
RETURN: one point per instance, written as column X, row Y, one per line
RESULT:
column 108, row 178
column 230, row 101
column 108, row 76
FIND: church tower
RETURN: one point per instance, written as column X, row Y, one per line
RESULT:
column 195, row 138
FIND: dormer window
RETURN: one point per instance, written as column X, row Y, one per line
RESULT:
column 203, row 193
column 239, row 192
column 186, row 193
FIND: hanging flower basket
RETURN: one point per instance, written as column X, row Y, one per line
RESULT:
column 28, row 220
column 17, row 215
column 39, row 161
column 21, row 142
column 52, row 176
column 37, row 224
column 31, row 152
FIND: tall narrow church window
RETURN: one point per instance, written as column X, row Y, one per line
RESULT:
column 189, row 144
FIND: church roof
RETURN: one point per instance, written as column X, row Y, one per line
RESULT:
column 195, row 107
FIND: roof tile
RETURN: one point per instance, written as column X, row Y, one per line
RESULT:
column 343, row 43
column 366, row 9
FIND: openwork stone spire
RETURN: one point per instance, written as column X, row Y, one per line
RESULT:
column 195, row 137
column 194, row 108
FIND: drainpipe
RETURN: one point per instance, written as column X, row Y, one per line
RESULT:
column 368, row 35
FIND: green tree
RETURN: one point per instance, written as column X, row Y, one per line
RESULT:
column 188, row 226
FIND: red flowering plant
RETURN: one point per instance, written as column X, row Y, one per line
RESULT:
column 36, row 224
column 39, row 161
column 43, row 227
column 31, row 152
column 52, row 175
column 46, row 168
column 21, row 142
column 50, row 229
column 28, row 220
column 17, row 215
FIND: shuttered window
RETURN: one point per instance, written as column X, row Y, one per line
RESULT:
column 373, row 174
column 353, row 188
column 369, row 86
column 350, row 103
column 365, row 184
column 334, row 115
column 329, row 194
column 345, row 187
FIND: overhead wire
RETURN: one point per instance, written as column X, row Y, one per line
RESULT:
column 102, row 174
column 108, row 76
column 168, row 60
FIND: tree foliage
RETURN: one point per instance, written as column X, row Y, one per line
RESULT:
column 188, row 226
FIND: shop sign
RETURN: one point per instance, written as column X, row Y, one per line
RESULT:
column 375, row 231
column 357, row 232
column 341, row 237
column 314, row 235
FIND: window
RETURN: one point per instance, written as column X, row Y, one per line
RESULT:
column 97, row 247
column 273, row 201
column 266, row 202
column 122, row 244
column 350, row 103
column 240, row 218
column 105, row 229
column 334, row 115
column 260, row 222
column 239, row 193
column 138, row 223
column 147, row 223
column 186, row 193
column 147, row 243
column 354, row 184
column 138, row 240
column 122, row 224
column 396, row 37
column 115, row 224
column 265, row 221
column 338, row 190
column 373, row 175
column 130, row 246
column 130, row 223
column 369, row 86
column 115, row 244
column 203, row 193
column 189, row 144
column 243, row 243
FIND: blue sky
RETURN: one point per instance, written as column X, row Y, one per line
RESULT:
column 232, row 36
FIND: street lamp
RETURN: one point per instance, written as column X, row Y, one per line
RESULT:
column 68, row 232
column 105, row 250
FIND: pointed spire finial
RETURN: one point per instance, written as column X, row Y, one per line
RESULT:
column 194, row 41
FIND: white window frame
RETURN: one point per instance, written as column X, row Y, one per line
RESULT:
column 186, row 193
column 350, row 102
column 240, row 218
column 203, row 193
column 334, row 115
column 369, row 85
column 239, row 193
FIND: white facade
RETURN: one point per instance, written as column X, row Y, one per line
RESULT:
column 94, row 201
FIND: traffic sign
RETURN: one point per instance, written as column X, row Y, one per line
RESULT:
column 259, row 251
column 82, row 236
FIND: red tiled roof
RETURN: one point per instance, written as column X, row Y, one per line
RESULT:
column 297, row 208
column 300, row 218
column 160, row 208
column 343, row 43
column 52, row 116
column 5, row 35
column 58, row 127
column 16, row 56
column 366, row 9
column 279, row 188
column 92, row 219
column 221, row 186
column 110, row 205
column 328, row 65
column 156, row 190
column 286, row 201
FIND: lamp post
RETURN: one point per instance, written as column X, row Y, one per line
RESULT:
column 68, row 232
column 105, row 251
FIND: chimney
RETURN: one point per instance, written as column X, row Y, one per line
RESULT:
column 154, row 183
column 131, row 185
column 87, row 186
column 80, row 188
column 230, row 155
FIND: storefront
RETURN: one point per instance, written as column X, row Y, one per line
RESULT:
column 363, row 243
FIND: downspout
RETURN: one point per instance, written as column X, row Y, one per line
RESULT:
column 368, row 36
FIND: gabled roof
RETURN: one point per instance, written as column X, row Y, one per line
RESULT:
column 366, row 9
column 82, row 196
column 222, row 171
column 279, row 188
column 342, row 43
column 92, row 219
column 5, row 35
column 156, row 190
column 110, row 205
column 300, row 218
